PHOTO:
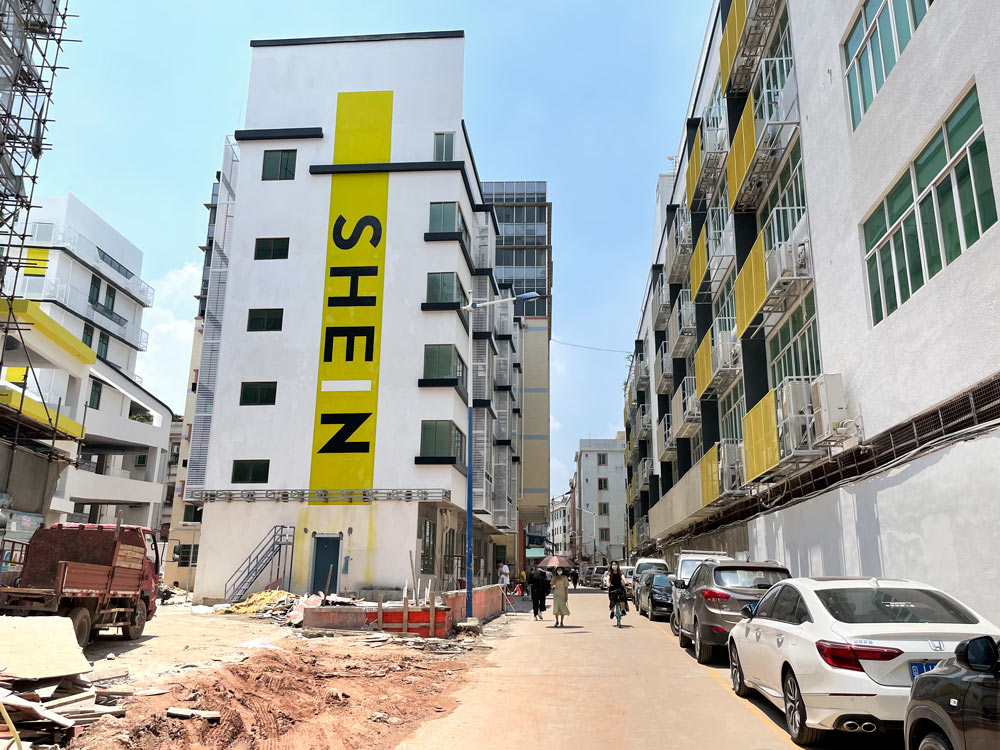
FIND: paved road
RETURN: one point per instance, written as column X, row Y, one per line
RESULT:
column 590, row 685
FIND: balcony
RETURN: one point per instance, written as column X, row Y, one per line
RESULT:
column 708, row 154
column 644, row 473
column 77, row 300
column 767, row 126
column 679, row 245
column 776, row 273
column 699, row 269
column 779, row 433
column 642, row 530
column 641, row 372
column 681, row 328
column 644, row 424
column 91, row 254
column 661, row 304
column 717, row 361
column 685, row 411
column 744, row 35
column 721, row 242
column 666, row 443
column 663, row 369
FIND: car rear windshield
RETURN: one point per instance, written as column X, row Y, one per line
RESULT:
column 749, row 578
column 642, row 567
column 600, row 570
column 687, row 568
column 660, row 579
column 867, row 605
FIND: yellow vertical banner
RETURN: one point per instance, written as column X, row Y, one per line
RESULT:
column 350, row 337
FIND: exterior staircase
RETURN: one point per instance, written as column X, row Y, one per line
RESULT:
column 274, row 555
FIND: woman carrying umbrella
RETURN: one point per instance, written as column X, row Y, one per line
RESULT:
column 617, row 597
column 560, row 593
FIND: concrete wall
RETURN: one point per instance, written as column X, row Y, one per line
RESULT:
column 535, row 411
column 932, row 520
column 589, row 496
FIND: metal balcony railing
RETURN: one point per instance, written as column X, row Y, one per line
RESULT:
column 644, row 423
column 641, row 371
column 721, row 241
column 681, row 328
column 642, row 530
column 679, row 247
column 661, row 304
column 686, row 409
column 645, row 472
column 666, row 443
column 663, row 369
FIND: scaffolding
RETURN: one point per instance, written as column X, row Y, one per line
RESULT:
column 31, row 39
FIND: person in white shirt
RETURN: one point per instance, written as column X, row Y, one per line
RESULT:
column 504, row 576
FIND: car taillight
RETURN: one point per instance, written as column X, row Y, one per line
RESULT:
column 710, row 594
column 846, row 656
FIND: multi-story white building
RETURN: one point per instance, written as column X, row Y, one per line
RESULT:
column 560, row 524
column 599, row 492
column 86, row 277
column 337, row 363
column 822, row 296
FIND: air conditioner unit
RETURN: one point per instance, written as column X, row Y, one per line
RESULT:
column 829, row 404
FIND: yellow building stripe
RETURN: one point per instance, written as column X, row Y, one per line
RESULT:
column 750, row 289
column 693, row 169
column 699, row 263
column 28, row 311
column 35, row 411
column 36, row 261
column 350, row 335
column 703, row 365
column 741, row 153
column 709, row 466
column 16, row 375
column 760, row 437
column 732, row 34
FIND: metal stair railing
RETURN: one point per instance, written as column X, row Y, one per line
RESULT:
column 274, row 552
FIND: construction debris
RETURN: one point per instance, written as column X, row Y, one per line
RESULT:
column 190, row 713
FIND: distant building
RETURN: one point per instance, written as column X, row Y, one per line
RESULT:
column 559, row 525
column 599, row 491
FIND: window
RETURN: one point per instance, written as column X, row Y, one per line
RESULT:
column 444, row 146
column 602, row 483
column 892, row 605
column 102, row 345
column 109, row 298
column 95, row 290
column 187, row 555
column 140, row 460
column 602, row 459
column 877, row 39
column 605, row 534
column 446, row 217
column 602, row 509
column 732, row 407
column 279, row 165
column 270, row 248
column 449, row 551
column 251, row 472
column 442, row 439
column 766, row 606
column 445, row 287
column 443, row 361
column 95, row 394
column 88, row 335
column 793, row 349
column 937, row 210
column 265, row 319
column 258, row 394
column 192, row 513
column 748, row 578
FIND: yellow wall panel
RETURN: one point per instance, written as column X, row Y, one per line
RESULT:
column 742, row 152
column 760, row 437
column 693, row 168
column 709, row 466
column 751, row 286
column 37, row 261
column 731, row 35
column 703, row 364
column 699, row 263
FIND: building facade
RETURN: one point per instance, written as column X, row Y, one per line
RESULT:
column 560, row 527
column 816, row 359
column 599, row 484
column 337, row 363
column 524, row 260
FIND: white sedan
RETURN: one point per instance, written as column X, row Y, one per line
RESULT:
column 840, row 653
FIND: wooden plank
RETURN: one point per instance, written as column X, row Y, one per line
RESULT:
column 68, row 700
column 23, row 658
column 35, row 709
column 406, row 614
column 433, row 603
column 108, row 672
column 380, row 613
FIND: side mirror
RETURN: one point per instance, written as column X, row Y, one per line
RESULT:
column 747, row 611
column 978, row 654
column 680, row 583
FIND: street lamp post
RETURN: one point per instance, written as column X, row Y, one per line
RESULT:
column 476, row 305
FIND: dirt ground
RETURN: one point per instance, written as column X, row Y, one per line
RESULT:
column 283, row 691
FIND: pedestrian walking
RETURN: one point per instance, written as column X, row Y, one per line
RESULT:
column 524, row 583
column 539, row 583
column 503, row 576
column 575, row 576
column 617, row 596
column 560, row 593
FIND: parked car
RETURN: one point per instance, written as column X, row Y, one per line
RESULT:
column 654, row 597
column 840, row 653
column 710, row 604
column 687, row 562
column 641, row 566
column 956, row 706
column 597, row 576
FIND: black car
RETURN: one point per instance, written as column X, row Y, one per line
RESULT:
column 956, row 706
column 653, row 597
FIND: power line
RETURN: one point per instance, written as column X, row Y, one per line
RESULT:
column 592, row 348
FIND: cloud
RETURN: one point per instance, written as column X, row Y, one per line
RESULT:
column 164, row 366
column 554, row 424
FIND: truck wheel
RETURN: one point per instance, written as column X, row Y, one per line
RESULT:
column 133, row 631
column 82, row 621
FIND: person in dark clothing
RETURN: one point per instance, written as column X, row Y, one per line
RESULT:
column 617, row 596
column 539, row 583
column 575, row 575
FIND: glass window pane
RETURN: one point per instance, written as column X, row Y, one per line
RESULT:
column 913, row 252
column 867, row 85
column 949, row 220
column 963, row 178
column 928, row 225
column 875, row 45
column 984, row 182
column 902, row 23
column 888, row 283
column 854, row 41
column 852, row 87
column 287, row 165
column 901, row 271
column 919, row 11
column 885, row 34
column 875, row 228
column 874, row 292
column 930, row 163
column 871, row 8
column 964, row 121
column 900, row 198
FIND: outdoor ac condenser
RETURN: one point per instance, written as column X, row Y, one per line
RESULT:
column 829, row 404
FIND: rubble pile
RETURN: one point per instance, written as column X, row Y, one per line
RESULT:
column 283, row 607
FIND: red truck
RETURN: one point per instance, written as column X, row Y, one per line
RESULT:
column 98, row 576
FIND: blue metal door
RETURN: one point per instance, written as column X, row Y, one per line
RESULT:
column 326, row 554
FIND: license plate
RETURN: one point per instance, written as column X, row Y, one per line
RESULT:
column 919, row 667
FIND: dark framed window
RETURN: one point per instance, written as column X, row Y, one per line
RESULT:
column 251, row 471
column 102, row 345
column 605, row 535
column 95, row 289
column 602, row 459
column 428, row 543
column 602, row 483
column 109, row 298
column 192, row 513
column 441, row 438
column 187, row 555
column 270, row 248
column 258, row 394
column 449, row 551
column 444, row 287
column 279, row 165
column 444, row 146
column 443, row 361
column 88, row 334
column 446, row 217
column 95, row 394
column 265, row 319
column 603, row 509
column 140, row 460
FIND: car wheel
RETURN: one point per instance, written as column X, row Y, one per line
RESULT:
column 795, row 713
column 702, row 652
column 736, row 673
column 935, row 741
column 675, row 627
